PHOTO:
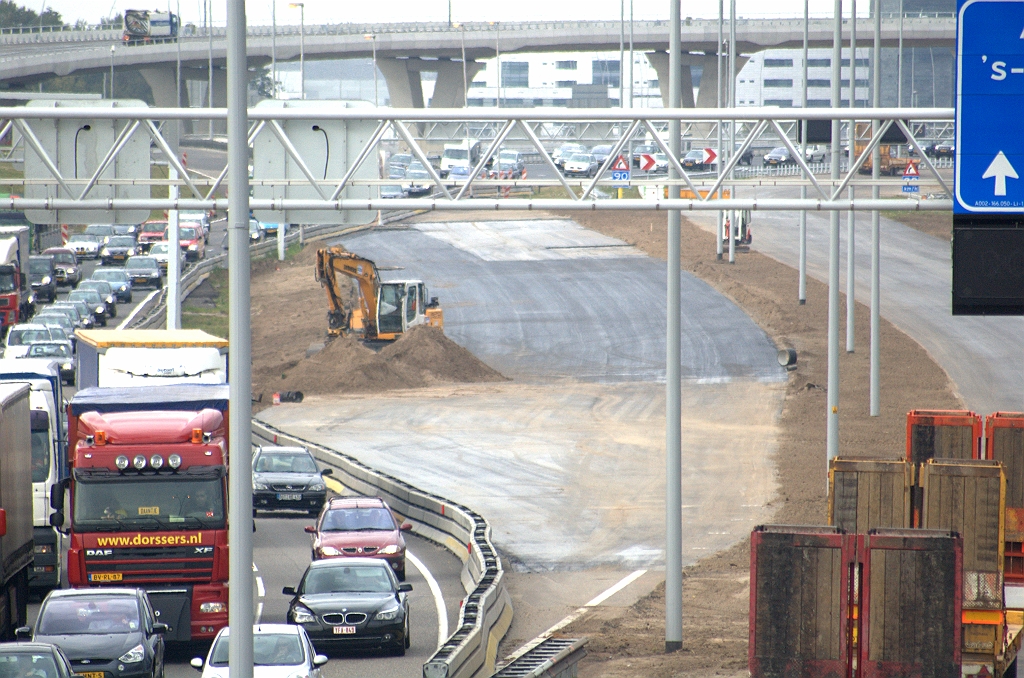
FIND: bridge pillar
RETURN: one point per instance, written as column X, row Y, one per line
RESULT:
column 707, row 97
column 404, row 86
column 161, row 80
column 449, row 90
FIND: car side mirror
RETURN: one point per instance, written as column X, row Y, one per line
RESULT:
column 406, row 527
column 311, row 529
column 327, row 472
column 197, row 663
column 160, row 628
column 319, row 660
column 288, row 590
column 23, row 633
column 404, row 588
column 57, row 519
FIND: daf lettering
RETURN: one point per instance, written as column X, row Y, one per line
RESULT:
column 99, row 552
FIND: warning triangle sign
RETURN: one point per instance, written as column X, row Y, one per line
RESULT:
column 620, row 164
column 911, row 171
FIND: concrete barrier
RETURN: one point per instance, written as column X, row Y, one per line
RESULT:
column 486, row 611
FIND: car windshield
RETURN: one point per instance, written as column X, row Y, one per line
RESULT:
column 54, row 318
column 187, row 234
column 90, row 614
column 580, row 157
column 48, row 351
column 140, row 262
column 149, row 503
column 18, row 337
column 155, row 227
column 27, row 664
column 101, row 286
column 110, row 275
column 88, row 296
column 38, row 265
column 161, row 247
column 64, row 257
column 285, row 462
column 346, row 579
column 695, row 154
column 602, row 149
column 121, row 241
column 370, row 519
column 779, row 151
column 82, row 237
column 268, row 649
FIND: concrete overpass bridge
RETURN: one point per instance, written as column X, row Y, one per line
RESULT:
column 405, row 50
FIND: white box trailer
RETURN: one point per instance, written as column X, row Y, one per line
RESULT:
column 142, row 357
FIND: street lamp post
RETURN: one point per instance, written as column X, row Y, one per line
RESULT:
column 373, row 37
column 112, row 50
column 273, row 46
column 302, row 46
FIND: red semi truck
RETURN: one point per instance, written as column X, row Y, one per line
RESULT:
column 148, row 499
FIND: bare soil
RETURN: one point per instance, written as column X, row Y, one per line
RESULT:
column 289, row 315
column 291, row 351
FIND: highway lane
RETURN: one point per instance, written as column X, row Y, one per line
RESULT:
column 984, row 356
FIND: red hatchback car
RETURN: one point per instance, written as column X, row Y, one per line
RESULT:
column 362, row 527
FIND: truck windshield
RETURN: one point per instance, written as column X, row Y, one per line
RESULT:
column 40, row 446
column 148, row 503
column 456, row 154
column 7, row 279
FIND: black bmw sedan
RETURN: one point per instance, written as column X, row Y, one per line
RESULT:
column 287, row 478
column 351, row 603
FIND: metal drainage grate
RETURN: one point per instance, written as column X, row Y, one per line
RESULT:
column 554, row 657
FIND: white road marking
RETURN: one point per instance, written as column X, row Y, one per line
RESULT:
column 259, row 612
column 594, row 602
column 435, row 590
column 254, row 568
column 260, row 591
column 135, row 311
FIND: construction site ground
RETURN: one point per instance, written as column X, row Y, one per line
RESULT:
column 288, row 323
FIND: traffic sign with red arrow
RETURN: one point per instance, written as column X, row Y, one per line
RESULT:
column 709, row 156
column 647, row 162
column 620, row 164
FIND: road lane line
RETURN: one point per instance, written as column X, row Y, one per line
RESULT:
column 594, row 602
column 259, row 612
column 135, row 311
column 623, row 583
column 435, row 590
column 260, row 591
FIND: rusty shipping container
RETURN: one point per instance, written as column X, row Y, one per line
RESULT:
column 865, row 494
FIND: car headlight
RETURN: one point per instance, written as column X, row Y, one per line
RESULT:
column 193, row 247
column 109, row 300
column 46, row 280
column 72, row 270
column 259, row 486
column 123, row 288
column 136, row 654
column 101, row 309
column 66, row 366
column 43, row 548
column 105, row 252
column 329, row 551
column 210, row 608
column 388, row 613
column 302, row 615
column 389, row 550
column 317, row 487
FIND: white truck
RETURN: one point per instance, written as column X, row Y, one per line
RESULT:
column 49, row 459
column 142, row 25
column 143, row 357
column 465, row 153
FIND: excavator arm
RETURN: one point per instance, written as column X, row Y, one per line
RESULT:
column 334, row 261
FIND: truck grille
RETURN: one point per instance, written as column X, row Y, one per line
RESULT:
column 151, row 565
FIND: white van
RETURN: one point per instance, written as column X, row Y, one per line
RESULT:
column 463, row 154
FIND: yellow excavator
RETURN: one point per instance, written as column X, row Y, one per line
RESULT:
column 383, row 310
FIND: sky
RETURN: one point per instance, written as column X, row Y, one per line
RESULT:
column 258, row 12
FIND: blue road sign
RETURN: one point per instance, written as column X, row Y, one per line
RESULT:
column 911, row 188
column 620, row 175
column 989, row 169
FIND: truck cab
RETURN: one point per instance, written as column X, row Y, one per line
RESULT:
column 49, row 458
column 15, row 291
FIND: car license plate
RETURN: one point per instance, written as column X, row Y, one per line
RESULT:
column 140, row 281
column 344, row 630
column 289, row 496
column 119, row 256
column 105, row 576
column 90, row 674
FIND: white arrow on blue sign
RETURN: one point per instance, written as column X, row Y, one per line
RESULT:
column 989, row 101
